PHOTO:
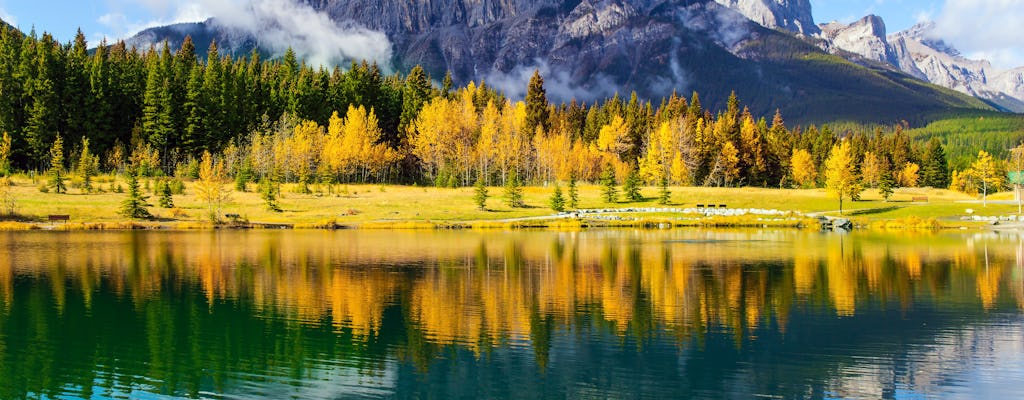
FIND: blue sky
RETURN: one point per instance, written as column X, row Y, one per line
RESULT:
column 898, row 14
column 980, row 28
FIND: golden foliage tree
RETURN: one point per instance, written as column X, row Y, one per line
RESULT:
column 613, row 137
column 840, row 173
column 802, row 168
column 908, row 175
column 5, row 154
column 984, row 172
column 870, row 169
column 210, row 188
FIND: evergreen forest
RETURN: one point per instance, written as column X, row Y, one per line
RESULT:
column 158, row 110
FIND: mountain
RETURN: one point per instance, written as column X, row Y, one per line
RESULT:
column 919, row 52
column 794, row 16
column 592, row 49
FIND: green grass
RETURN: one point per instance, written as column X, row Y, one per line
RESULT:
column 389, row 206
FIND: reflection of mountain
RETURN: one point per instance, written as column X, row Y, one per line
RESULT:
column 415, row 313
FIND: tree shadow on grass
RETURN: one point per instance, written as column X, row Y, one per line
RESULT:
column 872, row 211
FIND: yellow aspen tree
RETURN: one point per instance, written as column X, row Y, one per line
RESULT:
column 730, row 163
column 908, row 176
column 870, row 169
column 305, row 151
column 5, row 154
column 680, row 172
column 613, row 137
column 334, row 157
column 362, row 135
column 840, row 175
column 802, row 168
column 513, row 148
column 753, row 151
column 552, row 156
column 431, row 127
column 465, row 133
column 487, row 144
column 984, row 173
column 587, row 161
column 658, row 156
column 210, row 188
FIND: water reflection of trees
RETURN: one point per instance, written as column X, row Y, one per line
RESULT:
column 414, row 294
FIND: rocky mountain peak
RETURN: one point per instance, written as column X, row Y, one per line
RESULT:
column 865, row 37
column 924, row 32
column 792, row 15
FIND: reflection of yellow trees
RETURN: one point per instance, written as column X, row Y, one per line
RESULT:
column 842, row 278
column 988, row 285
column 477, row 289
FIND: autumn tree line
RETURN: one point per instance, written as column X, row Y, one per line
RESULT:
column 281, row 120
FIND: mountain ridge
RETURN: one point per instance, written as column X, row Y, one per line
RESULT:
column 594, row 49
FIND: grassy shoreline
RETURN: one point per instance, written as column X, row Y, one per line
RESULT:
column 411, row 207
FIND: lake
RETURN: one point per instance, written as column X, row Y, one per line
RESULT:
column 522, row 314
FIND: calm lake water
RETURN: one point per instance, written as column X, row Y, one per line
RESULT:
column 594, row 314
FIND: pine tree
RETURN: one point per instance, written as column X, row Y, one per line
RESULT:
column 269, row 192
column 557, row 201
column 166, row 199
column 536, row 105
column 446, row 85
column 574, row 195
column 480, row 193
column 935, row 168
column 88, row 166
column 415, row 93
column 631, row 187
column 134, row 206
column 514, row 190
column 57, row 166
column 886, row 182
column 608, row 190
column 664, row 195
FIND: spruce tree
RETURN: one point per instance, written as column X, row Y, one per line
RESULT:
column 415, row 93
column 885, row 186
column 480, row 193
column 134, row 206
column 269, row 192
column 664, row 195
column 935, row 168
column 446, row 85
column 57, row 166
column 536, row 105
column 166, row 199
column 574, row 195
column 631, row 187
column 514, row 190
column 88, row 166
column 557, row 201
column 608, row 189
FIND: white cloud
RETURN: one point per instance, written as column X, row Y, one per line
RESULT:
column 8, row 18
column 560, row 86
column 312, row 34
column 277, row 24
column 990, row 29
